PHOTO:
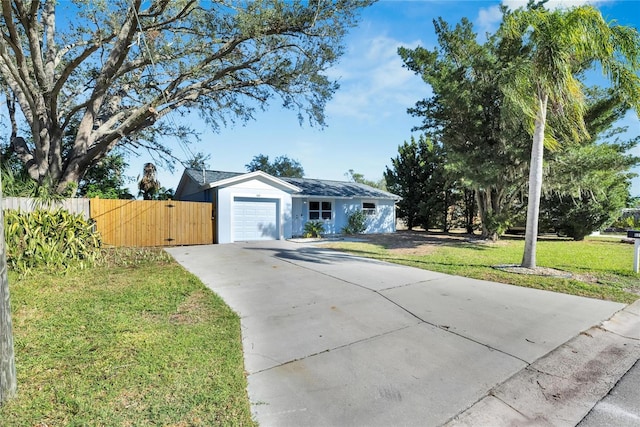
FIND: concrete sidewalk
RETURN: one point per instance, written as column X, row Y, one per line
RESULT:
column 561, row 388
column 332, row 339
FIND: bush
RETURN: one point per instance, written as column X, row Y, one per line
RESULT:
column 313, row 229
column 627, row 223
column 577, row 217
column 356, row 223
column 55, row 240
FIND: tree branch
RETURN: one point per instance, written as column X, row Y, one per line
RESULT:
column 64, row 76
column 30, row 25
column 114, row 61
column 14, row 80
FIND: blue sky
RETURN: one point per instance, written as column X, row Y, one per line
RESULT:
column 366, row 119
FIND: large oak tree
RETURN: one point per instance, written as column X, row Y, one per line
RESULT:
column 106, row 72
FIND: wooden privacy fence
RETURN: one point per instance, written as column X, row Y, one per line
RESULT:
column 27, row 204
column 152, row 223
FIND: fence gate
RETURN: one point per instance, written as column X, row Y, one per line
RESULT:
column 140, row 223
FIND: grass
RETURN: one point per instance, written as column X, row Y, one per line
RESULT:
column 137, row 341
column 603, row 268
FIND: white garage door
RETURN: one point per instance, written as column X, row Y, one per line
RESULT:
column 254, row 219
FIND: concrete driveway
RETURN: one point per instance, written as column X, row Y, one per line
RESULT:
column 333, row 339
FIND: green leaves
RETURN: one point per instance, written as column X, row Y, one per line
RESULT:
column 419, row 176
column 487, row 97
column 281, row 166
column 313, row 229
column 356, row 223
column 52, row 240
column 563, row 43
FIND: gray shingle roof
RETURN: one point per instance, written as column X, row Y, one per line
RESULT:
column 309, row 187
column 326, row 188
column 209, row 176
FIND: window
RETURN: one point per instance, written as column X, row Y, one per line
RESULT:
column 320, row 210
column 369, row 208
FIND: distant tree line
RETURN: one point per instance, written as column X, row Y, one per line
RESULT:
column 281, row 166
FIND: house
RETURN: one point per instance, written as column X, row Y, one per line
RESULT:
column 258, row 206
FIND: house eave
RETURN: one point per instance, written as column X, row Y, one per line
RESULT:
column 311, row 196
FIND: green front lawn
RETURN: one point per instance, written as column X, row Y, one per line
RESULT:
column 602, row 268
column 138, row 342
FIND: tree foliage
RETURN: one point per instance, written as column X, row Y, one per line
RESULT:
column 118, row 68
column 418, row 175
column 485, row 103
column 354, row 176
column 560, row 44
column 587, row 184
column 467, row 113
column 282, row 166
column 16, row 183
column 106, row 179
column 149, row 185
column 198, row 161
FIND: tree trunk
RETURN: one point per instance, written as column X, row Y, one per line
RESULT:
column 535, row 185
column 488, row 207
column 8, row 381
column 482, row 211
column 469, row 209
column 445, row 222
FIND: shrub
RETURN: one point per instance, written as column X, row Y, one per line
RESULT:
column 579, row 216
column 356, row 223
column 313, row 229
column 55, row 240
column 627, row 223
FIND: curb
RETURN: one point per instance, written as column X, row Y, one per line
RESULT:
column 561, row 388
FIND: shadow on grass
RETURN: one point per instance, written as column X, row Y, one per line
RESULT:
column 407, row 261
column 541, row 238
column 412, row 239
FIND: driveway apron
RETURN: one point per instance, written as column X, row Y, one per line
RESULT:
column 337, row 340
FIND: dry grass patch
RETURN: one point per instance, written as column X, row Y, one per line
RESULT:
column 192, row 310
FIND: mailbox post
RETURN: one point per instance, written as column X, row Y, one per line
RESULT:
column 635, row 234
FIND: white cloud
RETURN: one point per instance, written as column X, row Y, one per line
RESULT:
column 373, row 82
column 488, row 19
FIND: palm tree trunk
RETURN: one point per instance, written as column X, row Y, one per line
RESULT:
column 535, row 185
column 8, row 381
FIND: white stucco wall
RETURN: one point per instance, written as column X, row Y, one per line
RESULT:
column 384, row 221
column 299, row 214
column 254, row 188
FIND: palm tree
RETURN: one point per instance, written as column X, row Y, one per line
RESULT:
column 558, row 44
column 149, row 185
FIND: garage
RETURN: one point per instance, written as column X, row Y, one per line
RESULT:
column 255, row 219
